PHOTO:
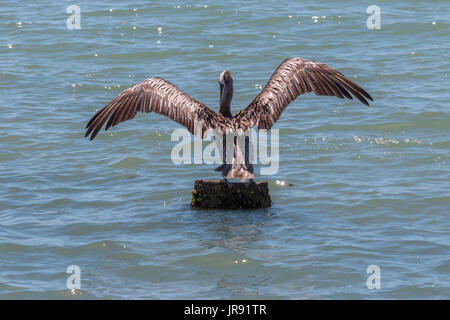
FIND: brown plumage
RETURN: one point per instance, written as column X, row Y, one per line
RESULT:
column 294, row 77
column 160, row 96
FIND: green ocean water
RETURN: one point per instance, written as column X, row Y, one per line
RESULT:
column 357, row 186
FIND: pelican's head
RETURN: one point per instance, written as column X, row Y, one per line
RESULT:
column 225, row 78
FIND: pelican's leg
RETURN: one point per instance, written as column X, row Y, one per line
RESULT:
column 246, row 184
column 229, row 184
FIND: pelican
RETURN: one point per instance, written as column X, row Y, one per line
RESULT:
column 294, row 77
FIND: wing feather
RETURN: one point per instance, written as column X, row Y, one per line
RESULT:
column 294, row 77
column 162, row 97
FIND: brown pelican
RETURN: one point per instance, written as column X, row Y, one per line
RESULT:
column 294, row 77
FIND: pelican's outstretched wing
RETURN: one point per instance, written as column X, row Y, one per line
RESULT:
column 292, row 78
column 160, row 96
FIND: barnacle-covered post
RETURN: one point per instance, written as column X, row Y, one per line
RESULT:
column 217, row 194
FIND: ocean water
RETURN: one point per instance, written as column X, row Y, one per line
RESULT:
column 357, row 186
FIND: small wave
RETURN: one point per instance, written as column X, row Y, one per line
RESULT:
column 129, row 162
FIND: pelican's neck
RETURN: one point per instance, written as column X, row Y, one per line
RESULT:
column 226, row 95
